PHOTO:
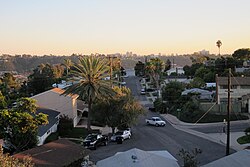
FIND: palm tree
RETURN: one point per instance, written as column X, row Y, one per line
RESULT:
column 91, row 71
column 218, row 44
column 67, row 63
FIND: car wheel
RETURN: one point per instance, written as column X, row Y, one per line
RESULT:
column 105, row 143
column 147, row 122
column 157, row 125
column 163, row 124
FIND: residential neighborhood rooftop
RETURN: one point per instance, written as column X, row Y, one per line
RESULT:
column 234, row 80
column 61, row 152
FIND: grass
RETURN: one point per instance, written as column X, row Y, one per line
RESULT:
column 244, row 139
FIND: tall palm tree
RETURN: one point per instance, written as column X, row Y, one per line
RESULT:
column 218, row 44
column 91, row 71
column 67, row 63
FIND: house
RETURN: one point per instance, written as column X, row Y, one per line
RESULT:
column 240, row 87
column 238, row 159
column 177, row 70
column 67, row 105
column 202, row 94
column 61, row 152
column 182, row 79
column 139, row 158
column 45, row 130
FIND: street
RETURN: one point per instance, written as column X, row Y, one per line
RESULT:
column 160, row 138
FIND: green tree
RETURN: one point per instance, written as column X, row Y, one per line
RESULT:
column 190, row 158
column 67, row 63
column 218, row 44
column 119, row 111
column 167, row 65
column 154, row 69
column 3, row 103
column 91, row 71
column 19, row 125
column 139, row 68
column 243, row 54
column 171, row 93
column 197, row 83
column 9, row 161
column 43, row 77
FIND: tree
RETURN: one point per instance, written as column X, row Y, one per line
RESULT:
column 167, row 65
column 91, row 71
column 9, row 161
column 43, row 77
column 171, row 93
column 119, row 111
column 19, row 125
column 197, row 83
column 243, row 54
column 139, row 68
column 218, row 44
column 3, row 103
column 67, row 63
column 190, row 158
column 154, row 69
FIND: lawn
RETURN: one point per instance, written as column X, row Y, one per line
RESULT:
column 244, row 139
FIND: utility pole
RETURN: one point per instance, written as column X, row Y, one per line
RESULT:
column 228, row 112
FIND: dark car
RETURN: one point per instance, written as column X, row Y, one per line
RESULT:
column 92, row 141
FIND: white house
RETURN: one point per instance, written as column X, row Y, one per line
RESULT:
column 45, row 130
column 66, row 105
column 240, row 86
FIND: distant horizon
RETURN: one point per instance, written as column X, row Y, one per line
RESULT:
column 144, row 27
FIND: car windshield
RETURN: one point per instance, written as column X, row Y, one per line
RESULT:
column 91, row 137
column 119, row 133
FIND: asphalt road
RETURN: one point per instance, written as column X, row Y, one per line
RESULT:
column 147, row 138
column 234, row 127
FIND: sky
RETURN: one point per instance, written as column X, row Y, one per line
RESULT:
column 63, row 27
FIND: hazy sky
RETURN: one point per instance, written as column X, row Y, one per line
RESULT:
column 117, row 26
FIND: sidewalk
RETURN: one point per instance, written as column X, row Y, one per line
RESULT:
column 219, row 138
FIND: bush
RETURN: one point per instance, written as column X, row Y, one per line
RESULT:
column 244, row 139
column 65, row 125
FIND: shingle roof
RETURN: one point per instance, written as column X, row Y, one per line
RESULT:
column 234, row 80
column 61, row 152
column 52, row 114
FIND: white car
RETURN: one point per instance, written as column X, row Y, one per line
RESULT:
column 156, row 121
column 143, row 92
column 125, row 134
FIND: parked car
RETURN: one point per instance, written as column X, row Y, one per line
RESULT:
column 156, row 121
column 94, row 140
column 123, row 134
column 143, row 92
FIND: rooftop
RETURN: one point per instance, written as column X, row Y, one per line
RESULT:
column 61, row 152
column 234, row 80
